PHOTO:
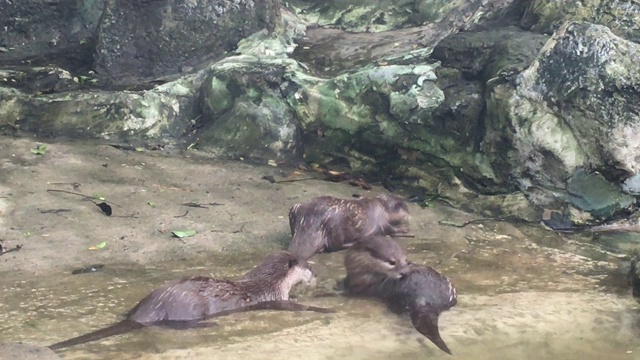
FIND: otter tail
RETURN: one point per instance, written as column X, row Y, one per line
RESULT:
column 425, row 320
column 121, row 327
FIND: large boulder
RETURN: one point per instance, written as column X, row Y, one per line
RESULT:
column 568, row 127
column 145, row 39
column 40, row 32
column 622, row 17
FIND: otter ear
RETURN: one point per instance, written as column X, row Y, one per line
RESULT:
column 292, row 263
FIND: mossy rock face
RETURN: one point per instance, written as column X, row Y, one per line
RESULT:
column 377, row 15
column 365, row 112
column 570, row 110
column 621, row 17
column 245, row 115
column 269, row 101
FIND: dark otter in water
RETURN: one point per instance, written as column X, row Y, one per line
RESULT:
column 184, row 303
column 378, row 267
column 326, row 223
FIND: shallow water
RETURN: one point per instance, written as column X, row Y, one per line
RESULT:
column 503, row 312
column 524, row 293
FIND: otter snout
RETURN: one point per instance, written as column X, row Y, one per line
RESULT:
column 310, row 278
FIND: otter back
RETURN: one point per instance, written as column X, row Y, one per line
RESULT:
column 330, row 224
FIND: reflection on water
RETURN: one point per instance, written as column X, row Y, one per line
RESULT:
column 518, row 299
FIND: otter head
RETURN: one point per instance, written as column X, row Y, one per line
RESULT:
column 280, row 271
column 396, row 209
column 377, row 255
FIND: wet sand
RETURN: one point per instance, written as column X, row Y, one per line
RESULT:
column 524, row 293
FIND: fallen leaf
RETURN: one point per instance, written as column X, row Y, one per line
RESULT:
column 152, row 204
column 183, row 234
column 99, row 246
column 106, row 208
column 40, row 149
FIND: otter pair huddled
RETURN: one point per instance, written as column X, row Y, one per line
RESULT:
column 376, row 265
column 184, row 303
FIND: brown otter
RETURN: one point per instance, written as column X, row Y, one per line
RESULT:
column 378, row 267
column 184, row 303
column 328, row 224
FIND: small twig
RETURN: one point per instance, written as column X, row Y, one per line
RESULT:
column 239, row 230
column 403, row 236
column 475, row 221
column 53, row 211
column 294, row 180
column 183, row 215
column 2, row 251
column 230, row 216
column 91, row 198
column 202, row 206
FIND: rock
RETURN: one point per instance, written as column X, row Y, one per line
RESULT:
column 244, row 114
column 58, row 33
column 40, row 80
column 331, row 51
column 563, row 115
column 482, row 55
column 16, row 351
column 146, row 39
column 250, row 102
column 385, row 15
column 621, row 17
column 161, row 114
column 593, row 193
column 632, row 185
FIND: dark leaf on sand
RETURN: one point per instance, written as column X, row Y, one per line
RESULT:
column 106, row 208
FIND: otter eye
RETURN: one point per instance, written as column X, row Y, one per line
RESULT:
column 392, row 262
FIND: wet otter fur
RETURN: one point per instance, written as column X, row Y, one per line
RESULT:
column 378, row 267
column 327, row 224
column 183, row 303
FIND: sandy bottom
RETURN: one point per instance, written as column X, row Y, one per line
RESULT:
column 524, row 293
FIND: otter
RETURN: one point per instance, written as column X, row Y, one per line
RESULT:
column 378, row 267
column 184, row 303
column 328, row 224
